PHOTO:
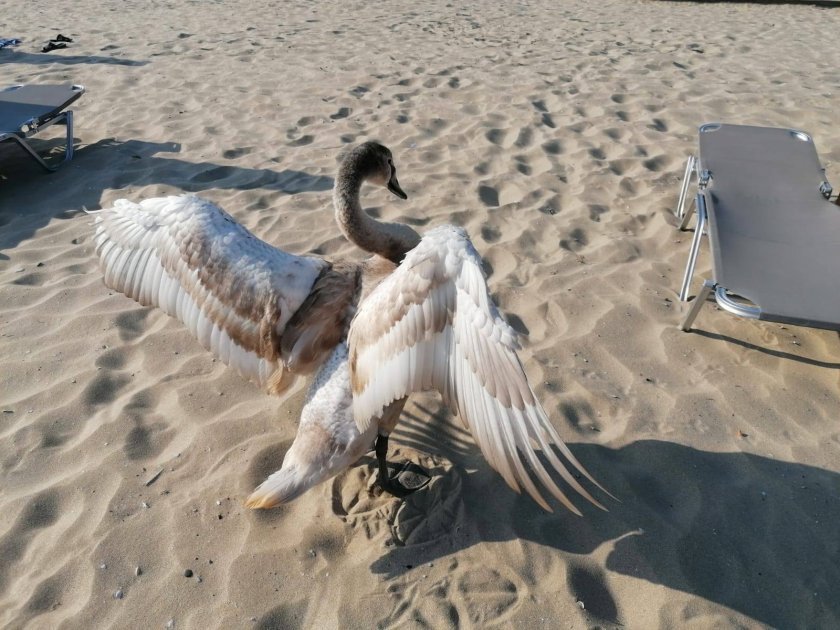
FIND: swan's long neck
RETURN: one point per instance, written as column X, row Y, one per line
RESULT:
column 390, row 240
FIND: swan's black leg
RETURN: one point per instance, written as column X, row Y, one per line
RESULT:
column 385, row 481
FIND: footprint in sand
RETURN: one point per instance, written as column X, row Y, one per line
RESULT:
column 104, row 388
column 613, row 134
column 550, row 207
column 621, row 166
column 497, row 137
column 30, row 280
column 282, row 616
column 628, row 185
column 145, row 441
column 490, row 233
column 130, row 324
column 525, row 138
column 540, row 106
column 552, row 147
column 48, row 594
column 522, row 164
column 587, row 586
column 489, row 597
column 657, row 163
column 596, row 210
column 489, row 196
column 576, row 241
column 343, row 112
column 39, row 512
column 302, row 141
column 659, row 125
column 232, row 154
column 111, row 359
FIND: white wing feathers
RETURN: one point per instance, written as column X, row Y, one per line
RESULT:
column 432, row 325
column 234, row 292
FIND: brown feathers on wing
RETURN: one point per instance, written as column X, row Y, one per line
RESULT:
column 235, row 293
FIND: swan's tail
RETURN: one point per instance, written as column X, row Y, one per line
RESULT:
column 327, row 440
column 281, row 487
column 311, row 460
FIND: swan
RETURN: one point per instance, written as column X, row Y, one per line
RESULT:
column 414, row 316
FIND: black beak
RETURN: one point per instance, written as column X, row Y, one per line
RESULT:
column 394, row 186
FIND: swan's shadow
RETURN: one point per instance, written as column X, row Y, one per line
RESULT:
column 750, row 533
column 112, row 164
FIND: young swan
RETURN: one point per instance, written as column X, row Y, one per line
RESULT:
column 415, row 316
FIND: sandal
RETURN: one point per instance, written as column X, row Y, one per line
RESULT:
column 53, row 46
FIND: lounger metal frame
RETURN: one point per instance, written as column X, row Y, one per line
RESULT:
column 728, row 302
column 36, row 124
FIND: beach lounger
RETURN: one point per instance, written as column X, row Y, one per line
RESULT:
column 27, row 109
column 762, row 200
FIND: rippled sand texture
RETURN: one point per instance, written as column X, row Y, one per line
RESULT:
column 555, row 133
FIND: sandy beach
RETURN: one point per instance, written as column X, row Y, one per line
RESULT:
column 556, row 134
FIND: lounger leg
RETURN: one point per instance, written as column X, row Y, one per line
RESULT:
column 25, row 146
column 68, row 121
column 686, row 181
column 695, row 248
column 687, row 216
column 65, row 118
column 699, row 301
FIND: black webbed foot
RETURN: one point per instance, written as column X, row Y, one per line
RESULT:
column 409, row 478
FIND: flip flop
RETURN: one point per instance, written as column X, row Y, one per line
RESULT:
column 53, row 46
column 61, row 38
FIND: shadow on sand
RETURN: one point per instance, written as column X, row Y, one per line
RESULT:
column 114, row 164
column 757, row 535
column 16, row 56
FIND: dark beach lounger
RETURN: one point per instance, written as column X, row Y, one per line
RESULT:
column 762, row 200
column 27, row 109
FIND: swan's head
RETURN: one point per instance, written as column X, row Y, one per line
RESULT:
column 373, row 162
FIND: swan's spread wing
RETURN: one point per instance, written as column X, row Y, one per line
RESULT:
column 234, row 292
column 432, row 325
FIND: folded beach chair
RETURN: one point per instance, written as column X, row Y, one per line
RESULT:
column 27, row 109
column 762, row 199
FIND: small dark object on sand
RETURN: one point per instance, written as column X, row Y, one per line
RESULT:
column 53, row 46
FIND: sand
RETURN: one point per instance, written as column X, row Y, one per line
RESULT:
column 556, row 134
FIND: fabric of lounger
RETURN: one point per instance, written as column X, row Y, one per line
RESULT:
column 775, row 239
column 21, row 104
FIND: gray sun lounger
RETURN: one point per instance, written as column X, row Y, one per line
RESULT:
column 27, row 109
column 763, row 201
